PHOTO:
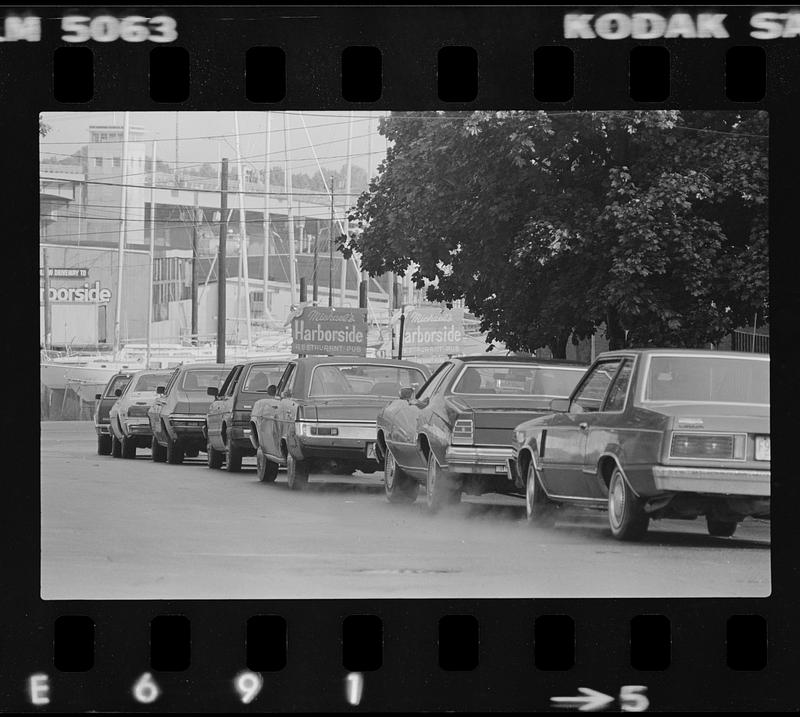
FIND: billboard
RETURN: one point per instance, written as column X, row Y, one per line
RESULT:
column 330, row 331
column 432, row 331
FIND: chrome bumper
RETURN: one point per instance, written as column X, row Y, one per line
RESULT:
column 467, row 459
column 358, row 431
column 104, row 429
column 725, row 481
column 137, row 425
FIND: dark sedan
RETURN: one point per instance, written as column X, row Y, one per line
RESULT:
column 228, row 417
column 178, row 415
column 104, row 401
column 651, row 434
column 455, row 433
column 322, row 414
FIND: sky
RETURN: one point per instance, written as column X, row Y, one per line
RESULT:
column 207, row 136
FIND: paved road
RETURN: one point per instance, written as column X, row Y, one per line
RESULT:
column 132, row 529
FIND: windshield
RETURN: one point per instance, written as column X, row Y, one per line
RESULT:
column 149, row 381
column 359, row 379
column 201, row 379
column 707, row 379
column 519, row 379
column 262, row 376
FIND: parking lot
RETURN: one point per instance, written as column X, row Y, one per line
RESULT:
column 132, row 529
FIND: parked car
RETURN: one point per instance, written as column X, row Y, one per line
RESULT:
column 228, row 417
column 455, row 434
column 103, row 402
column 651, row 434
column 130, row 426
column 322, row 413
column 178, row 414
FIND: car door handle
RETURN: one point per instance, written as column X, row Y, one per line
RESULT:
column 583, row 426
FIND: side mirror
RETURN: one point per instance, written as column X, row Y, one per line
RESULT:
column 160, row 390
column 118, row 392
column 97, row 396
column 272, row 390
column 559, row 405
column 212, row 391
column 406, row 393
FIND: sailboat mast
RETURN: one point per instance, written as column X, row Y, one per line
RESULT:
column 152, row 254
column 123, row 230
column 287, row 178
column 242, row 232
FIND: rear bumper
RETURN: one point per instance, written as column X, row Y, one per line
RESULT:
column 480, row 459
column 187, row 427
column 103, row 429
column 137, row 427
column 239, row 436
column 725, row 481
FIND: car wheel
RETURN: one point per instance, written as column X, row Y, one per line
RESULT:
column 400, row 487
column 441, row 487
column 266, row 470
column 540, row 510
column 128, row 448
column 103, row 445
column 721, row 528
column 296, row 473
column 233, row 459
column 174, row 452
column 626, row 516
column 214, row 457
column 158, row 452
column 116, row 447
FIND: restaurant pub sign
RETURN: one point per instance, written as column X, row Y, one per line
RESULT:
column 330, row 331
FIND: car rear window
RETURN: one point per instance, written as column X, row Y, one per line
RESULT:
column 519, row 379
column 707, row 379
column 149, row 381
column 262, row 376
column 119, row 382
column 199, row 379
column 360, row 379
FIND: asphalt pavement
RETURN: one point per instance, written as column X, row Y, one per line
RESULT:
column 132, row 529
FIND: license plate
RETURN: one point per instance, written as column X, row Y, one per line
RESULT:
column 371, row 450
column 762, row 448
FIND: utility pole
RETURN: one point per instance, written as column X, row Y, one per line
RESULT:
column 152, row 255
column 347, row 187
column 196, row 219
column 48, row 317
column 287, row 180
column 330, row 247
column 243, row 261
column 123, row 231
column 314, row 276
column 267, row 229
column 221, row 273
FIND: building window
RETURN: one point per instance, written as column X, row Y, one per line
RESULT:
column 117, row 162
column 98, row 161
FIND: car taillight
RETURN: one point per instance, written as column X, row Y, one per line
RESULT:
column 703, row 445
column 138, row 411
column 463, row 432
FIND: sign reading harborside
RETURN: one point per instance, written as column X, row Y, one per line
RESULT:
column 330, row 331
column 432, row 331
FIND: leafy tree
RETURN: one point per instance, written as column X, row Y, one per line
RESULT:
column 651, row 225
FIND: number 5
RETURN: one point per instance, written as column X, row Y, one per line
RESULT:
column 632, row 699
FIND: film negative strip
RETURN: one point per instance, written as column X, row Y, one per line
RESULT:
column 602, row 193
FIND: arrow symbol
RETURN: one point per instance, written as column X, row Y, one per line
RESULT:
column 589, row 701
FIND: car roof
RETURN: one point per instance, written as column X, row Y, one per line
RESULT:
column 518, row 359
column 316, row 360
column 683, row 352
column 205, row 366
column 280, row 361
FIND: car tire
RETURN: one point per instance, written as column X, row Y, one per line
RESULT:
column 128, row 447
column 539, row 509
column 158, row 452
column 626, row 516
column 441, row 487
column 233, row 459
column 721, row 528
column 116, row 447
column 214, row 457
column 399, row 486
column 296, row 473
column 174, row 452
column 266, row 470
column 104, row 445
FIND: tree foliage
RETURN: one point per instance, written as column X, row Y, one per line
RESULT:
column 650, row 224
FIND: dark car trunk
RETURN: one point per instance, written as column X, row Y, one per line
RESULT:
column 362, row 408
column 196, row 401
column 495, row 417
